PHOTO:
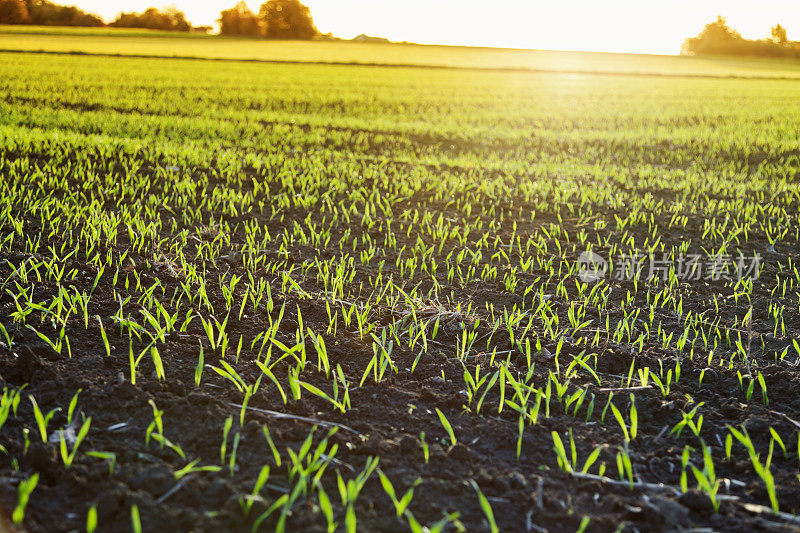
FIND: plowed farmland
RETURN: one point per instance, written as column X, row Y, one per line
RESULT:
column 243, row 296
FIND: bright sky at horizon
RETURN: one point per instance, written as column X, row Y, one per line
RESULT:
column 612, row 26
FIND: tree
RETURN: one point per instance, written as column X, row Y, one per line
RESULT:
column 719, row 38
column 44, row 13
column 287, row 19
column 716, row 38
column 239, row 20
column 778, row 35
column 170, row 19
column 13, row 12
column 719, row 31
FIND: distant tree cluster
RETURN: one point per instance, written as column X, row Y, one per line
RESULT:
column 44, row 13
column 14, row 12
column 239, row 20
column 168, row 19
column 717, row 38
column 276, row 19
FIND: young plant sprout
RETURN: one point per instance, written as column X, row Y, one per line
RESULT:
column 228, row 315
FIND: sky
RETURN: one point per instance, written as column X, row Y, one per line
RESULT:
column 636, row 26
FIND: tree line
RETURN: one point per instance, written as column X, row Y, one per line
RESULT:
column 717, row 38
column 276, row 19
column 44, row 13
column 168, row 19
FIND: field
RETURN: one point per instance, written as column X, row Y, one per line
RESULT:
column 124, row 42
column 252, row 296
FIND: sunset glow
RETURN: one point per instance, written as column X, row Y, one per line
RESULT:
column 615, row 26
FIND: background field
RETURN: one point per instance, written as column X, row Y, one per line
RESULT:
column 392, row 254
column 138, row 42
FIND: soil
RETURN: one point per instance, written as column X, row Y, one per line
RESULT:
column 386, row 420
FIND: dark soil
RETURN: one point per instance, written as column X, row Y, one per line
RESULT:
column 386, row 420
